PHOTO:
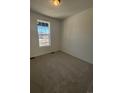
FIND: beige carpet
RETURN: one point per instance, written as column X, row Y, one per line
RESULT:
column 60, row 73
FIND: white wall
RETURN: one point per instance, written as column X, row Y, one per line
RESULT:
column 55, row 27
column 74, row 36
column 77, row 35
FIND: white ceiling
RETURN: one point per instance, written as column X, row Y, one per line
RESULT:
column 67, row 7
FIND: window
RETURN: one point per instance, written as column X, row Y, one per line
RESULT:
column 43, row 29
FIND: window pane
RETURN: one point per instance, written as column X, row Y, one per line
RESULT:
column 44, row 33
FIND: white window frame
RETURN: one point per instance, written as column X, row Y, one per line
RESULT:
column 38, row 20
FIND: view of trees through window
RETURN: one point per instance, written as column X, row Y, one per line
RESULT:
column 43, row 29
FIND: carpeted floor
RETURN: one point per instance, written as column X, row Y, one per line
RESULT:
column 60, row 73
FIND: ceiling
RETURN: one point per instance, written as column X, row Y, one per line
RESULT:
column 67, row 7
